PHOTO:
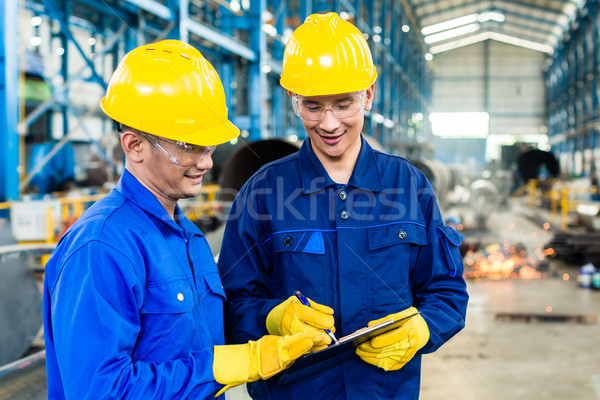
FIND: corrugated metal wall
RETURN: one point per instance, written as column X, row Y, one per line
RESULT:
column 503, row 80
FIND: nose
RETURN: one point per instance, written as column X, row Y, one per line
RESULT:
column 205, row 162
column 329, row 122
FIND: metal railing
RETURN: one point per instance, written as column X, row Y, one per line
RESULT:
column 564, row 199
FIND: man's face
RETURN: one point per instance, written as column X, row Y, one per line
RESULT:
column 171, row 181
column 333, row 137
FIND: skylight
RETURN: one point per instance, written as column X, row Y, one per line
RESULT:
column 458, row 26
column 464, row 20
column 480, row 37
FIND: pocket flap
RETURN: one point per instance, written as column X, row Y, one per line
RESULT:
column 173, row 297
column 213, row 281
column 398, row 233
column 449, row 242
column 300, row 241
column 453, row 236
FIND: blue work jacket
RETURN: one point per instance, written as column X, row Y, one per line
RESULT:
column 370, row 248
column 133, row 303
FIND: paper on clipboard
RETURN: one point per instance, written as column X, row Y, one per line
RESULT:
column 335, row 353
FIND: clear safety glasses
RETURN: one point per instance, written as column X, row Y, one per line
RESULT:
column 310, row 109
column 180, row 153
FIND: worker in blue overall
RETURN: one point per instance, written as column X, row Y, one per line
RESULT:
column 133, row 302
column 357, row 231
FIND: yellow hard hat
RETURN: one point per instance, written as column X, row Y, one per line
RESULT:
column 169, row 89
column 327, row 55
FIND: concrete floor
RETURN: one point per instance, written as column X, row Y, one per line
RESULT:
column 492, row 360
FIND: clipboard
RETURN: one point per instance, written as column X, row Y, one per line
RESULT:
column 336, row 353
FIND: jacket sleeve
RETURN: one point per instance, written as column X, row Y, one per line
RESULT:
column 92, row 302
column 436, row 277
column 245, row 272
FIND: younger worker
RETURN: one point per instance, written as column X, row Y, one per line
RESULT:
column 133, row 302
column 350, row 227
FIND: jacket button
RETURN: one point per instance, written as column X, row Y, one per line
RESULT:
column 343, row 195
column 345, row 214
column 402, row 234
column 287, row 242
column 180, row 296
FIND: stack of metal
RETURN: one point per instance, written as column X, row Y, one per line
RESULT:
column 576, row 247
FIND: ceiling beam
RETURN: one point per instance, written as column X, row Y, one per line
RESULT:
column 522, row 4
column 526, row 17
column 520, row 26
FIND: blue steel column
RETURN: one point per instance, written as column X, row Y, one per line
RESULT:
column 383, row 86
column 184, row 6
column 306, row 9
column 226, row 67
column 398, row 47
column 258, row 80
column 64, row 68
column 279, row 95
column 572, row 86
column 9, row 100
column 593, row 11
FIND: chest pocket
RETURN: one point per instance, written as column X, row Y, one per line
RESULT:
column 297, row 263
column 393, row 234
column 172, row 297
column 310, row 242
column 392, row 252
column 166, row 305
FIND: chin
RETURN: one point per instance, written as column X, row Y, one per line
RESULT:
column 190, row 192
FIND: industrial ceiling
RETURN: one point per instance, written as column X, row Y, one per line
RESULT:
column 535, row 24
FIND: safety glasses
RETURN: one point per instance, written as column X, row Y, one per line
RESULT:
column 344, row 107
column 180, row 153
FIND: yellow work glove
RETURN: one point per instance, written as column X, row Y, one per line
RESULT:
column 393, row 349
column 291, row 317
column 240, row 363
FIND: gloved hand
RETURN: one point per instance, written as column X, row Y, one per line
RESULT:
column 240, row 363
column 291, row 317
column 393, row 349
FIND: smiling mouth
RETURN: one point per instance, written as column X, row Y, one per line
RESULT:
column 332, row 139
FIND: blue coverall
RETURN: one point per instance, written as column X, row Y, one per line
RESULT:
column 133, row 303
column 367, row 249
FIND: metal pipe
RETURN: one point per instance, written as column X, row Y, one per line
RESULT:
column 23, row 363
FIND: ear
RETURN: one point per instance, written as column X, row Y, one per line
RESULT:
column 133, row 146
column 369, row 92
column 290, row 94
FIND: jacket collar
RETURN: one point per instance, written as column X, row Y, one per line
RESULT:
column 365, row 176
column 133, row 190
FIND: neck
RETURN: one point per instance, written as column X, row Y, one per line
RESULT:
column 340, row 168
column 167, row 202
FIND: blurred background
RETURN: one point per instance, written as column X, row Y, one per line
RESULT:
column 495, row 101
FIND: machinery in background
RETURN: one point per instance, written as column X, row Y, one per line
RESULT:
column 58, row 173
column 20, row 300
column 22, row 357
column 244, row 162
column 537, row 164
